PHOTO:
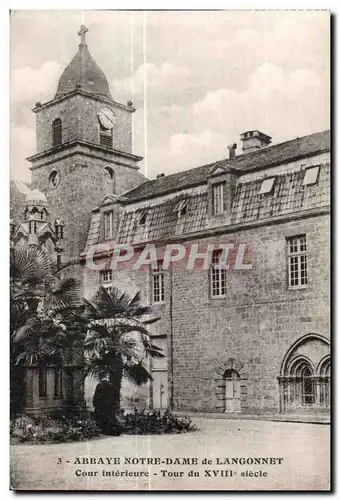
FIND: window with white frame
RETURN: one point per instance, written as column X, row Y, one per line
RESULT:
column 218, row 198
column 106, row 279
column 311, row 176
column 267, row 186
column 218, row 276
column 297, row 261
column 108, row 225
column 157, row 283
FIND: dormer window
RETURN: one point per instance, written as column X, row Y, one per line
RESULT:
column 142, row 218
column 181, row 208
column 311, row 176
column 57, row 132
column 108, row 225
column 267, row 186
column 218, row 198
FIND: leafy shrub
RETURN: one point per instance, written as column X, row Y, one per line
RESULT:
column 57, row 429
column 155, row 422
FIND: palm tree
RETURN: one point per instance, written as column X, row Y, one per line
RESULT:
column 117, row 340
column 43, row 311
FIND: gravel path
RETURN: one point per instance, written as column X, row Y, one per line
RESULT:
column 304, row 449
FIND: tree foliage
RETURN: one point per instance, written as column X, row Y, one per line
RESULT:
column 43, row 310
column 118, row 341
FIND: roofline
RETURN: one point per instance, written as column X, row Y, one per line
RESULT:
column 235, row 170
column 75, row 92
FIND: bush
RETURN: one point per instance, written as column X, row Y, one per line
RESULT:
column 57, row 429
column 155, row 422
column 62, row 428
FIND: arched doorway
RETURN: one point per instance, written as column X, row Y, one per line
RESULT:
column 305, row 376
column 232, row 391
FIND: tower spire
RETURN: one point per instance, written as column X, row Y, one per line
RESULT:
column 82, row 33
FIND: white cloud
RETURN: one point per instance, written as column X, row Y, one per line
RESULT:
column 153, row 77
column 274, row 102
column 29, row 84
column 185, row 151
column 209, row 76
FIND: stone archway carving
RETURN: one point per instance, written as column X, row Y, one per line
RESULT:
column 304, row 379
column 233, row 364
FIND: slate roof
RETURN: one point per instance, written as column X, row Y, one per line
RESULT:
column 162, row 220
column 289, row 195
column 83, row 71
column 266, row 157
column 94, row 231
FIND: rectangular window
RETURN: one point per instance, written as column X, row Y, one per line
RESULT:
column 106, row 279
column 58, row 383
column 297, row 261
column 157, row 283
column 311, row 176
column 42, row 382
column 218, row 198
column 218, row 276
column 108, row 225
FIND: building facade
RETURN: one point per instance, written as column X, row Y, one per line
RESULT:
column 250, row 338
column 253, row 339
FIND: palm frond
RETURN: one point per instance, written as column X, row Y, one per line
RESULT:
column 137, row 373
column 29, row 265
column 151, row 321
column 26, row 330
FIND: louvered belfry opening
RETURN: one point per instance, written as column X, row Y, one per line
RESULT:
column 106, row 138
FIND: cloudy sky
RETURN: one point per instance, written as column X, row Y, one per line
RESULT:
column 198, row 79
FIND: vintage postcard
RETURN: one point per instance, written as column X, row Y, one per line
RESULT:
column 169, row 232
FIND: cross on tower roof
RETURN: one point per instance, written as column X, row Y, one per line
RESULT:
column 83, row 30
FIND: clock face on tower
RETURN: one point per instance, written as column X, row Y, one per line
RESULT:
column 107, row 118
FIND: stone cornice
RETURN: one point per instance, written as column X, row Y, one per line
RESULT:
column 36, row 109
column 84, row 144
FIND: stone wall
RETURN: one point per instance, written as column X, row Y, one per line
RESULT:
column 83, row 183
column 79, row 116
column 251, row 328
column 254, row 324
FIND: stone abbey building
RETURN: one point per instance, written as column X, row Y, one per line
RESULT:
column 249, row 340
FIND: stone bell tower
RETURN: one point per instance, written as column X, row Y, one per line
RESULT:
column 84, row 147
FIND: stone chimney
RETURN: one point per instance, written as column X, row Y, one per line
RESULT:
column 232, row 151
column 254, row 140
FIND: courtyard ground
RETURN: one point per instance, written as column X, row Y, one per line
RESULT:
column 303, row 448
